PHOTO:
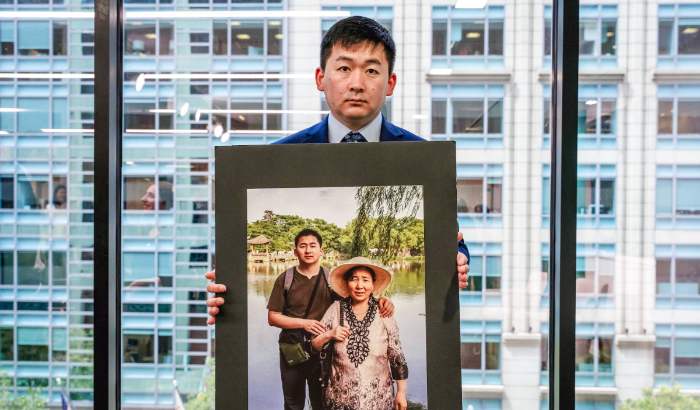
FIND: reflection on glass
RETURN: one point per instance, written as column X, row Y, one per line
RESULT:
column 495, row 38
column 467, row 116
column 471, row 352
column 665, row 37
column 142, row 193
column 585, row 196
column 467, row 38
column 495, row 116
column 138, row 346
column 587, row 116
column 439, row 38
column 665, row 117
column 166, row 42
column 246, row 121
column 688, row 116
column 439, row 116
column 588, row 34
column 247, row 38
column 585, row 275
column 607, row 197
column 688, row 277
column 494, row 188
column 548, row 37
column 663, row 277
column 608, row 45
column 688, row 197
column 688, row 36
column 274, row 37
column 140, row 38
column 493, row 352
column 470, row 195
column 608, row 120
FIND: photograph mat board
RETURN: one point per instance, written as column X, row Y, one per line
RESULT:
column 279, row 214
column 431, row 165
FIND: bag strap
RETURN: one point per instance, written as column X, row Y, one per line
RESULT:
column 288, row 278
column 313, row 295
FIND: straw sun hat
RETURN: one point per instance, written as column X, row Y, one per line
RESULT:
column 383, row 276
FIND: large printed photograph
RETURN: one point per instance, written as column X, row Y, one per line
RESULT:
column 336, row 298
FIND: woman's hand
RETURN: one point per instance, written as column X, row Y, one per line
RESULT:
column 400, row 401
column 339, row 333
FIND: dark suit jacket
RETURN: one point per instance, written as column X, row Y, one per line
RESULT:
column 318, row 134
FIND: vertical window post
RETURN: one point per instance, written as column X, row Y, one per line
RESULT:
column 562, row 266
column 108, row 159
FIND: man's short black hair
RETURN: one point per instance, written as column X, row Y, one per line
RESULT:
column 308, row 232
column 353, row 31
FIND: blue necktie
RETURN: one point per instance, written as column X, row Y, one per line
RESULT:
column 353, row 136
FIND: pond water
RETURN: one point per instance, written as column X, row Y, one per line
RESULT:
column 407, row 292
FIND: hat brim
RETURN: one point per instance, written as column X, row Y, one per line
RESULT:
column 340, row 286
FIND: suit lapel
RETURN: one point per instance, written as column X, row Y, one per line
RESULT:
column 390, row 132
column 317, row 134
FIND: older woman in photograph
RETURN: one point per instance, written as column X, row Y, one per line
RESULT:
column 366, row 351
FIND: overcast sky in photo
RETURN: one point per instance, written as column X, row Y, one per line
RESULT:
column 333, row 204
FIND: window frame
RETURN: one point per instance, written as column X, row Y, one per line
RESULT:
column 445, row 61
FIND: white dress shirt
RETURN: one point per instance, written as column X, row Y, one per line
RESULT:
column 337, row 131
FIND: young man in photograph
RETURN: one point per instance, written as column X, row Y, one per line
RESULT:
column 356, row 75
column 301, row 304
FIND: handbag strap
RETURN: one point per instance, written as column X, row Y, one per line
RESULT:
column 313, row 295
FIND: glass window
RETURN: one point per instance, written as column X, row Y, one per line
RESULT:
column 688, row 36
column 32, row 344
column 247, row 37
column 481, row 352
column 677, row 277
column 33, row 38
column 678, row 121
column 140, row 38
column 676, row 357
column 594, row 354
column 484, row 285
column 595, row 199
column 471, row 115
column 595, row 269
column 468, row 38
column 678, row 198
column 138, row 346
column 666, row 37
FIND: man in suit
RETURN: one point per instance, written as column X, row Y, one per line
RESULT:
column 356, row 75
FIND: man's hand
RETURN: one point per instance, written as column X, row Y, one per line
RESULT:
column 313, row 326
column 386, row 308
column 213, row 302
column 462, row 266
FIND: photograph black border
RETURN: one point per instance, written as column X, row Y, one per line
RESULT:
column 432, row 165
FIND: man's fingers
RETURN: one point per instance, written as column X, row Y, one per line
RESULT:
column 459, row 236
column 213, row 287
column 462, row 284
column 213, row 302
column 211, row 320
column 213, row 311
column 210, row 275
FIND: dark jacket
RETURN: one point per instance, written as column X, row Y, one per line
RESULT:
column 318, row 134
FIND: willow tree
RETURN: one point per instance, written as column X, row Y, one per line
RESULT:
column 378, row 208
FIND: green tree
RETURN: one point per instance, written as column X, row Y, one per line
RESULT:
column 376, row 219
column 668, row 398
column 8, row 401
column 204, row 400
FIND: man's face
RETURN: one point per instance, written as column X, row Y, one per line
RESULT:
column 356, row 82
column 308, row 250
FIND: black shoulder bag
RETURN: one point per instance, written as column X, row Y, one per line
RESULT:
column 294, row 343
column 326, row 358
